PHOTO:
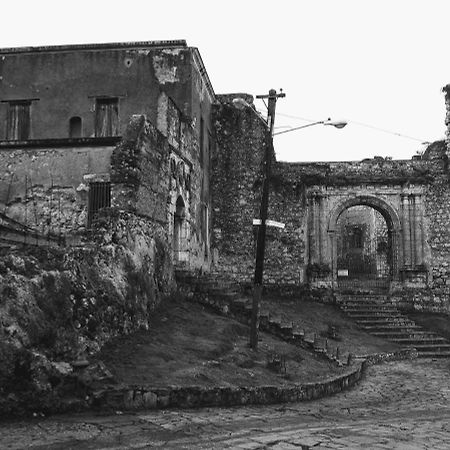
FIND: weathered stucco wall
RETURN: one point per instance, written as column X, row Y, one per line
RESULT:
column 46, row 188
column 63, row 82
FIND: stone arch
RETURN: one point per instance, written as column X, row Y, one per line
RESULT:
column 392, row 221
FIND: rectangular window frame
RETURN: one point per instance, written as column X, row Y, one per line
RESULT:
column 18, row 121
column 106, row 116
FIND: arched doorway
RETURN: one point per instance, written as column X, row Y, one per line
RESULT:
column 179, row 231
column 363, row 245
column 364, row 234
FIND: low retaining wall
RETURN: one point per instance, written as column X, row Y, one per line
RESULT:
column 398, row 355
column 142, row 397
column 130, row 398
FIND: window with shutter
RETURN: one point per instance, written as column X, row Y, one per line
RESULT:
column 18, row 121
column 106, row 117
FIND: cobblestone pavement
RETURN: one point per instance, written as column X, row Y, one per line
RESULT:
column 399, row 405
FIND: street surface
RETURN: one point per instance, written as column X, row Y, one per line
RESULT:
column 398, row 405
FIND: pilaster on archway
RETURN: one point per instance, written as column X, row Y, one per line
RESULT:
column 392, row 220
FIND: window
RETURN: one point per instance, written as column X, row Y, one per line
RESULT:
column 99, row 197
column 18, row 121
column 75, row 127
column 106, row 117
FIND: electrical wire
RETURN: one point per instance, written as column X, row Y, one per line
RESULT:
column 383, row 130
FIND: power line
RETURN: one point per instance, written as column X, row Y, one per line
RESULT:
column 388, row 131
column 383, row 130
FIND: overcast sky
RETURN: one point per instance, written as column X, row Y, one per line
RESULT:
column 380, row 64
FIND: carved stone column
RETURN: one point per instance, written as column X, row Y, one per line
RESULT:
column 406, row 231
column 312, row 248
column 419, row 229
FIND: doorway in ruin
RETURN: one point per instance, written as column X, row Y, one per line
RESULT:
column 364, row 247
column 180, row 231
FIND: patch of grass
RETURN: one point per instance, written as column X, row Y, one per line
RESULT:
column 186, row 345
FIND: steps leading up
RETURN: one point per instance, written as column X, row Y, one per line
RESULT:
column 376, row 315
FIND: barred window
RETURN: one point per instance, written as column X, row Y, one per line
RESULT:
column 99, row 197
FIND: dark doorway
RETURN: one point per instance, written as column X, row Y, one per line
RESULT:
column 179, row 231
column 364, row 245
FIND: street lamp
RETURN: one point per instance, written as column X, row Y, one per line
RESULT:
column 334, row 123
column 240, row 103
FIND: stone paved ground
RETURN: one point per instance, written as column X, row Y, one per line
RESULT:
column 399, row 405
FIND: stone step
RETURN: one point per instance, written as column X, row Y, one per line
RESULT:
column 413, row 341
column 383, row 321
column 392, row 327
column 361, row 298
column 387, row 310
column 444, row 346
column 373, row 315
column 415, row 335
column 433, row 354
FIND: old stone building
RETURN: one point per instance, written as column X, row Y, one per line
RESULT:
column 137, row 127
column 120, row 163
column 378, row 223
column 114, row 125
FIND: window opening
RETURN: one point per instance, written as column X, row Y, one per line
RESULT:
column 75, row 127
column 18, row 121
column 106, row 117
column 99, row 197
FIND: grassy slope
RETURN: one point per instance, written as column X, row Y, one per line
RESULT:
column 187, row 345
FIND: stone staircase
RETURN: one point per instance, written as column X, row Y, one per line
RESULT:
column 375, row 314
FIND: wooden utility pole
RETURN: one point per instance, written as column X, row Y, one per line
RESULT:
column 261, row 239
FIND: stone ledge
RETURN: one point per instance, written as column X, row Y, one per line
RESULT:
column 146, row 397
column 397, row 355
column 130, row 398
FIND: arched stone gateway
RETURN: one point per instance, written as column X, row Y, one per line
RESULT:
column 400, row 209
column 394, row 242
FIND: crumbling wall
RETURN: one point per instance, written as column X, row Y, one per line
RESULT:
column 60, row 306
column 148, row 175
column 46, row 188
column 241, row 137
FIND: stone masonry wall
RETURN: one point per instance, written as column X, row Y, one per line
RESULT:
column 413, row 195
column 241, row 137
column 148, row 175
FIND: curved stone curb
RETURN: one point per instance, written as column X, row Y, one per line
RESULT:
column 131, row 398
column 397, row 355
column 144, row 397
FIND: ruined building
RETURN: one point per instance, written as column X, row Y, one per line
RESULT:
column 137, row 127
column 119, row 163
column 117, row 125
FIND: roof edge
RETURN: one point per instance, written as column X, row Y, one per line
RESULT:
column 101, row 46
column 202, row 69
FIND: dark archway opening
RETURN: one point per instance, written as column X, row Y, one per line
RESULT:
column 364, row 245
column 75, row 127
column 179, row 231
